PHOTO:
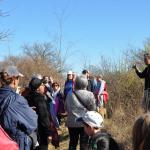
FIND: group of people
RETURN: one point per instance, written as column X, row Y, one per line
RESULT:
column 32, row 117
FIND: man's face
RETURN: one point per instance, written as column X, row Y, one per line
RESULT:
column 46, row 79
column 88, row 130
column 147, row 60
column 42, row 89
column 99, row 79
column 55, row 87
column 88, row 75
column 16, row 82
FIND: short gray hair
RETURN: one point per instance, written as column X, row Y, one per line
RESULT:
column 81, row 82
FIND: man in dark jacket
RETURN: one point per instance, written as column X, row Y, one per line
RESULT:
column 16, row 117
column 39, row 103
column 145, row 75
column 90, row 82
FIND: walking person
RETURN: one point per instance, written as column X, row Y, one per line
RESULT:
column 77, row 103
column 145, row 75
column 16, row 117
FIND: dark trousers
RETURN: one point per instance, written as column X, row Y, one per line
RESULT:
column 75, row 134
column 43, row 142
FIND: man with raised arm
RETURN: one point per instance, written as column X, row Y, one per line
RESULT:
column 145, row 74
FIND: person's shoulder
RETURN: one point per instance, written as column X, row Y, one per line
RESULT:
column 37, row 96
column 85, row 93
column 89, row 93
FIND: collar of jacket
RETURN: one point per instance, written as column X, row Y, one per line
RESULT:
column 7, row 87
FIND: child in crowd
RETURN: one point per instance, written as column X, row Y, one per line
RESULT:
column 93, row 122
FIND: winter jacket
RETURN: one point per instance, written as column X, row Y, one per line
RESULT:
column 90, row 86
column 69, row 86
column 16, row 117
column 75, row 109
column 145, row 75
column 39, row 102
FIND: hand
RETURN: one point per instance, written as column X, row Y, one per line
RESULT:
column 34, row 108
column 98, row 97
column 49, row 139
column 134, row 66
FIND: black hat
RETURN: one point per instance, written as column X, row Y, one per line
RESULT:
column 35, row 84
column 85, row 71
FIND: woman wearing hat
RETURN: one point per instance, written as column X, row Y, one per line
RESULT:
column 69, row 84
column 16, row 117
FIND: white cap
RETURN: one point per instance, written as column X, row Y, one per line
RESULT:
column 93, row 119
column 70, row 72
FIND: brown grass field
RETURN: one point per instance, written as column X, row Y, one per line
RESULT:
column 119, row 126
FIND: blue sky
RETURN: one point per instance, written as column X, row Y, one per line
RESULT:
column 91, row 27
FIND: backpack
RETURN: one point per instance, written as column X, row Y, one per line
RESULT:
column 6, row 143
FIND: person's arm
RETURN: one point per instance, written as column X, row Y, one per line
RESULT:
column 101, row 90
column 25, row 116
column 43, row 115
column 66, row 102
column 139, row 73
column 65, row 95
column 92, row 102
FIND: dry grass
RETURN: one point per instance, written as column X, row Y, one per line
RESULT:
column 120, row 127
column 64, row 140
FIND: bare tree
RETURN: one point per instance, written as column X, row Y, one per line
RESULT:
column 136, row 56
column 4, row 33
column 39, row 51
column 61, row 50
column 45, row 52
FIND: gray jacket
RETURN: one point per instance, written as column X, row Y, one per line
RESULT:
column 75, row 109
